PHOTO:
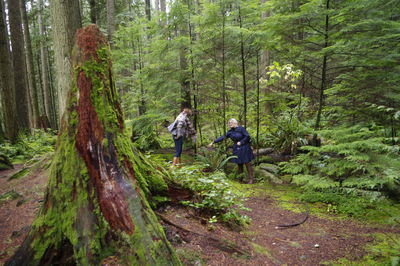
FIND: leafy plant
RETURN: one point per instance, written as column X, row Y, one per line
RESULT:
column 214, row 160
column 213, row 193
column 289, row 133
column 30, row 146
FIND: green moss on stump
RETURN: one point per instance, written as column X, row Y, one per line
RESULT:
column 72, row 217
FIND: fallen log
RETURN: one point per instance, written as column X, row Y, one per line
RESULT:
column 264, row 151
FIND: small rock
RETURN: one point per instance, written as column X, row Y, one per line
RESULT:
column 303, row 257
column 177, row 238
column 316, row 246
column 197, row 263
column 272, row 168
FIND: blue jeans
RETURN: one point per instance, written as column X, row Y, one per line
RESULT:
column 178, row 146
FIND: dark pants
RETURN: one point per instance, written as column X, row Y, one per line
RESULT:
column 178, row 146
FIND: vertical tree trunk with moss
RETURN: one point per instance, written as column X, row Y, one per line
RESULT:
column 65, row 20
column 7, row 80
column 95, row 209
column 30, row 67
column 19, row 64
column 46, row 85
column 110, row 19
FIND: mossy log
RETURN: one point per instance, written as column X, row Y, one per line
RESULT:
column 95, row 209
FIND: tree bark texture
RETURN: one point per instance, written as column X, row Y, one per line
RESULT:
column 147, row 9
column 19, row 65
column 7, row 81
column 243, row 61
column 33, row 95
column 324, row 70
column 184, row 78
column 93, row 11
column 265, row 58
column 163, row 6
column 95, row 209
column 66, row 19
column 46, row 86
column 110, row 19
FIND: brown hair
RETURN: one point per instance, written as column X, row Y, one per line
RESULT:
column 188, row 111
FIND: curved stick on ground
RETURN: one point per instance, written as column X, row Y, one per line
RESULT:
column 295, row 224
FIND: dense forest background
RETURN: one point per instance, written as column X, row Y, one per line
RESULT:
column 315, row 82
column 294, row 73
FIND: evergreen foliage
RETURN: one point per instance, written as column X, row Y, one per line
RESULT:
column 356, row 160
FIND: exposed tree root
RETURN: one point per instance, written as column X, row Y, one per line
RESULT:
column 220, row 243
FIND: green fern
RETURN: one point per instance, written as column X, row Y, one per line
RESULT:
column 215, row 160
column 355, row 157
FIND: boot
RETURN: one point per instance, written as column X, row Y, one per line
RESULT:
column 250, row 172
column 178, row 161
column 175, row 161
column 240, row 171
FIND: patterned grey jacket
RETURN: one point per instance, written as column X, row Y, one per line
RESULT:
column 182, row 127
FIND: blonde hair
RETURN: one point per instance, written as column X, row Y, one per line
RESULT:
column 233, row 121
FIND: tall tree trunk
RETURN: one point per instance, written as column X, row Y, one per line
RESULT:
column 7, row 80
column 53, row 92
column 33, row 93
column 49, row 110
column 223, row 70
column 66, row 19
column 324, row 67
column 265, row 57
column 184, row 78
column 93, row 11
column 163, row 6
column 193, row 82
column 243, row 61
column 19, row 64
column 142, row 103
column 258, row 105
column 147, row 9
column 95, row 209
column 110, row 19
column 186, row 101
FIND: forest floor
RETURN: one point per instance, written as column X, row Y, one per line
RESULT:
column 322, row 239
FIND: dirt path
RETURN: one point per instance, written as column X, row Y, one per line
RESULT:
column 17, row 213
column 316, row 241
column 312, row 243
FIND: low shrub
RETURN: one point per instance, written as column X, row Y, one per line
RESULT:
column 213, row 194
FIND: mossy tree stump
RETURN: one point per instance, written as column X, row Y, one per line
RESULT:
column 95, row 209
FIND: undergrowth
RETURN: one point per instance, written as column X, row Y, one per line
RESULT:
column 212, row 194
column 356, row 158
column 29, row 146
column 355, row 171
column 213, row 159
